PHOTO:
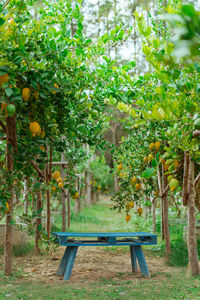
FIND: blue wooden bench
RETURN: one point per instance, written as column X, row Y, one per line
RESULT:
column 133, row 239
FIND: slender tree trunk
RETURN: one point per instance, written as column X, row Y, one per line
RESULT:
column 165, row 213
column 154, row 215
column 185, row 178
column 68, row 204
column 26, row 192
column 48, row 200
column 11, row 146
column 191, row 235
column 63, row 192
column 38, row 220
column 161, row 203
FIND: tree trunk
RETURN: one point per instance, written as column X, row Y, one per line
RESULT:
column 161, row 203
column 26, row 192
column 48, row 219
column 191, row 235
column 154, row 215
column 11, row 147
column 165, row 213
column 38, row 220
column 63, row 192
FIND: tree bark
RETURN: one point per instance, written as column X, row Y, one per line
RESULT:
column 38, row 220
column 165, row 213
column 185, row 178
column 191, row 234
column 48, row 201
column 26, row 192
column 63, row 192
column 161, row 203
column 11, row 147
column 154, row 215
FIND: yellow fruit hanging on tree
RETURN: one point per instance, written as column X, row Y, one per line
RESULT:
column 140, row 211
column 4, row 108
column 3, row 78
column 128, row 217
column 53, row 188
column 57, row 87
column 35, row 128
column 76, row 195
column 59, row 180
column 26, row 94
column 119, row 167
column 151, row 146
column 131, row 204
column 7, row 208
column 157, row 146
column 127, row 206
column 60, row 185
column 145, row 160
column 134, row 179
column 56, row 175
column 138, row 186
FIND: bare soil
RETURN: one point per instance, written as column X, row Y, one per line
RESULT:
column 92, row 264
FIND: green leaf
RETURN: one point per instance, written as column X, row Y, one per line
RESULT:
column 189, row 10
column 2, row 21
column 148, row 173
column 8, row 92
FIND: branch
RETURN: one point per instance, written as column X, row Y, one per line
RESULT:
column 37, row 169
column 197, row 180
column 50, row 163
column 5, row 5
column 185, row 178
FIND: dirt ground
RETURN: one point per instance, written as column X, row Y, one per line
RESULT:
column 92, row 264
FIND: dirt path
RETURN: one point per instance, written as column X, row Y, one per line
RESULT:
column 92, row 264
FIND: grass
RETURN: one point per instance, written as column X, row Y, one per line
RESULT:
column 173, row 284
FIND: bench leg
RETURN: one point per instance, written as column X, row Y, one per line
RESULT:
column 141, row 260
column 63, row 263
column 133, row 259
column 70, row 262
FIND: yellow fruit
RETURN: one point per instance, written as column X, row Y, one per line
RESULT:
column 151, row 146
column 140, row 211
column 145, row 159
column 128, row 217
column 35, row 128
column 4, row 108
column 120, row 174
column 60, row 185
column 176, row 163
column 53, row 188
column 3, row 78
column 151, row 156
column 131, row 204
column 133, row 179
column 156, row 193
column 138, row 186
column 173, row 184
column 119, row 167
column 59, row 180
column 157, row 145
column 7, row 207
column 57, row 87
column 76, row 195
column 127, row 206
column 26, row 94
column 56, row 175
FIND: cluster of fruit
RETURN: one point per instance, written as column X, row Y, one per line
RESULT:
column 153, row 147
column 59, row 180
column 170, row 164
column 136, row 183
column 128, row 207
